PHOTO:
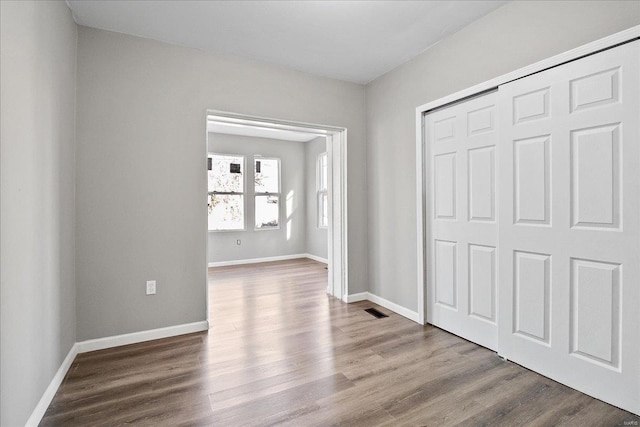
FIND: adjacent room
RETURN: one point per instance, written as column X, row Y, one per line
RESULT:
column 418, row 212
column 268, row 197
column 268, row 214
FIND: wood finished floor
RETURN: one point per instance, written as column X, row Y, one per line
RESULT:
column 281, row 352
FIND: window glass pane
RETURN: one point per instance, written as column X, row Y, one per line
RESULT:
column 267, row 211
column 226, row 173
column 323, row 210
column 226, row 212
column 267, row 175
column 322, row 185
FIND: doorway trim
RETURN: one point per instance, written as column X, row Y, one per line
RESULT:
column 621, row 37
column 338, row 277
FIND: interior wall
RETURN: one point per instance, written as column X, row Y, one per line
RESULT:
column 317, row 238
column 515, row 35
column 141, row 173
column 290, row 238
column 37, row 97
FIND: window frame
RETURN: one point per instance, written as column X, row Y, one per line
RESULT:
column 262, row 194
column 322, row 171
column 231, row 193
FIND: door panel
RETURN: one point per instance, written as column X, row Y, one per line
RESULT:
column 569, row 236
column 462, row 220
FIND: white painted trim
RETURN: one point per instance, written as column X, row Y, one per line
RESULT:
column 142, row 336
column 396, row 308
column 420, row 207
column 345, row 212
column 573, row 54
column 257, row 260
column 362, row 296
column 50, row 392
column 316, row 258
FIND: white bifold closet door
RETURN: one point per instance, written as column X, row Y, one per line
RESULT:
column 461, row 227
column 569, row 232
column 533, row 222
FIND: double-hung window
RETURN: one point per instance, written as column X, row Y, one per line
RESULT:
column 226, row 192
column 321, row 189
column 267, row 193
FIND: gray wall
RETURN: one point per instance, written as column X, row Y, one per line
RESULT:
column 513, row 36
column 316, row 237
column 264, row 243
column 37, row 97
column 141, row 171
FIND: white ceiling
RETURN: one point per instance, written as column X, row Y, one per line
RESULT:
column 356, row 41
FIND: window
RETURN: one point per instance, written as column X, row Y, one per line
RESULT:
column 267, row 193
column 321, row 188
column 226, row 192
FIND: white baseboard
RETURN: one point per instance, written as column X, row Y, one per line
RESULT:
column 100, row 344
column 256, row 260
column 398, row 309
column 142, row 336
column 362, row 296
column 267, row 259
column 50, row 392
column 316, row 258
column 402, row 311
column 170, row 331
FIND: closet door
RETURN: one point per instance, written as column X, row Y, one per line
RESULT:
column 569, row 238
column 461, row 220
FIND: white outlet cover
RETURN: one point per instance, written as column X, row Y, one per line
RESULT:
column 151, row 287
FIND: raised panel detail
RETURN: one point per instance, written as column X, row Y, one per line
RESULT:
column 532, row 283
column 444, row 129
column 595, row 311
column 532, row 180
column 482, row 282
column 445, row 186
column 480, row 121
column 481, row 175
column 595, row 177
column 595, row 90
column 531, row 106
column 446, row 273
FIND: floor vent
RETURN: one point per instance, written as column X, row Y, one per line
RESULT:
column 375, row 313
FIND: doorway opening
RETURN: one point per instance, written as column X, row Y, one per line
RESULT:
column 258, row 202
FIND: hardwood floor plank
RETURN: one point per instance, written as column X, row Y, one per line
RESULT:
column 282, row 352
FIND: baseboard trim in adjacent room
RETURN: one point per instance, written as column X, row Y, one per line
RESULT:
column 398, row 309
column 50, row 392
column 142, row 336
column 256, row 260
column 316, row 258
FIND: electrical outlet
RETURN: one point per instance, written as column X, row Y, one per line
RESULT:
column 151, row 287
column 238, row 242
